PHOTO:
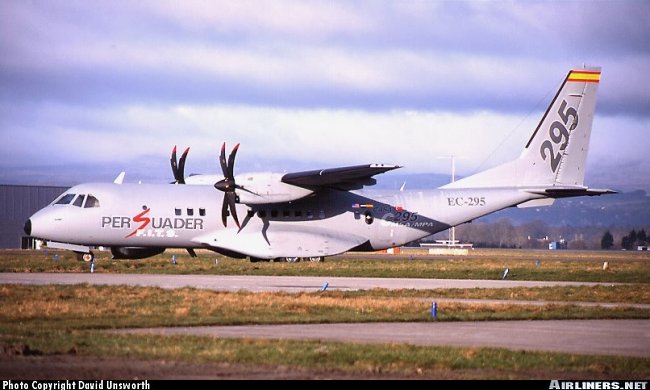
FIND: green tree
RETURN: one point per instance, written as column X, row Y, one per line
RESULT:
column 625, row 242
column 632, row 237
column 607, row 241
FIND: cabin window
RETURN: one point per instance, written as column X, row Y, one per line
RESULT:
column 310, row 214
column 177, row 212
column 321, row 214
column 79, row 201
column 261, row 213
column 190, row 212
column 286, row 213
column 202, row 212
column 65, row 199
column 298, row 213
column 91, row 201
column 274, row 213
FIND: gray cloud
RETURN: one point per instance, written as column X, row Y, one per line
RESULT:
column 456, row 55
column 108, row 70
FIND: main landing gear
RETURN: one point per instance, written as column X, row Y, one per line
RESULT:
column 291, row 259
column 313, row 259
column 87, row 256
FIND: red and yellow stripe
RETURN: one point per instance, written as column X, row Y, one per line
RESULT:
column 587, row 76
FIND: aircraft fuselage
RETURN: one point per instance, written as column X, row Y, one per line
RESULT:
column 141, row 215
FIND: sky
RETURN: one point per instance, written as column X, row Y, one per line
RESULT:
column 92, row 88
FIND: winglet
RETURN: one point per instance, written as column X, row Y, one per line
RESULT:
column 120, row 178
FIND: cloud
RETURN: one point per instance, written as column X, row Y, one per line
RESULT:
column 323, row 138
column 317, row 54
column 105, row 81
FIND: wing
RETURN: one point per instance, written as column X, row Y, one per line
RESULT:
column 344, row 178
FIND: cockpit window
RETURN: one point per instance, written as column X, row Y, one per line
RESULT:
column 79, row 201
column 65, row 199
column 91, row 201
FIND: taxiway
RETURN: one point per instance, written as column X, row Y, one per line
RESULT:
column 611, row 337
column 268, row 283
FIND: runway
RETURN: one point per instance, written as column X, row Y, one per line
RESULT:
column 268, row 283
column 587, row 337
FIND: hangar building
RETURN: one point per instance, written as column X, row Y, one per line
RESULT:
column 17, row 204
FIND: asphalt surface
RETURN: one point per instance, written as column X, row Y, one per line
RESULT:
column 590, row 337
column 268, row 283
column 608, row 337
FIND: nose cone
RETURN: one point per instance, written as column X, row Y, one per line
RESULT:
column 28, row 227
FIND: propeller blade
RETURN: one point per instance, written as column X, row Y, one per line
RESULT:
column 222, row 160
column 237, row 186
column 231, row 162
column 224, row 211
column 174, row 164
column 231, row 202
column 180, row 179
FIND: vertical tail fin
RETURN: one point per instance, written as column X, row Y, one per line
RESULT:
column 556, row 153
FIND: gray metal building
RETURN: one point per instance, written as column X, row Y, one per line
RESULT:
column 17, row 203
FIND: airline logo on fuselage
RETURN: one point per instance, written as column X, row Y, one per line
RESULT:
column 143, row 225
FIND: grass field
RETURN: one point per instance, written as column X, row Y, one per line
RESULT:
column 585, row 266
column 54, row 320
column 57, row 319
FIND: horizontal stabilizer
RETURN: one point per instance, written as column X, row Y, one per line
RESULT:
column 558, row 192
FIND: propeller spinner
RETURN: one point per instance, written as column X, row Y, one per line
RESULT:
column 178, row 168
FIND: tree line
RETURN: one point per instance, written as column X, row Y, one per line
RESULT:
column 631, row 241
column 538, row 235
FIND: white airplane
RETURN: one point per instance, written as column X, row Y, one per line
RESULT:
column 319, row 213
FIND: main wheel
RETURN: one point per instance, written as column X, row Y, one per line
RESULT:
column 291, row 259
column 88, row 257
column 316, row 259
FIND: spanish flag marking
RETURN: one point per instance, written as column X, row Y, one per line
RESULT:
column 584, row 76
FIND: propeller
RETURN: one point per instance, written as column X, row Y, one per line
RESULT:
column 178, row 168
column 228, row 185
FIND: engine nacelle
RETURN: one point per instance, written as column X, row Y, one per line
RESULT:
column 134, row 252
column 267, row 187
